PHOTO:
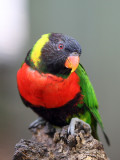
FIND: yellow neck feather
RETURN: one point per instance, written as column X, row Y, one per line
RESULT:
column 36, row 51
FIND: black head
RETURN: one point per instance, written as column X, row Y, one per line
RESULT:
column 55, row 52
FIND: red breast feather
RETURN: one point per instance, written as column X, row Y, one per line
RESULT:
column 46, row 90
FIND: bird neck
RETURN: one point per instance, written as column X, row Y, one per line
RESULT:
column 43, row 68
column 54, row 70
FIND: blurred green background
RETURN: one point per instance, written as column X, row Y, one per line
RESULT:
column 95, row 24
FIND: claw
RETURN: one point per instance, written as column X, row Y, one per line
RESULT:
column 83, row 125
column 37, row 122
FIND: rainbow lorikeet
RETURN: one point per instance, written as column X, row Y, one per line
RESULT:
column 55, row 85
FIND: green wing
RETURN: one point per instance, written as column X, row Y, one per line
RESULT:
column 89, row 97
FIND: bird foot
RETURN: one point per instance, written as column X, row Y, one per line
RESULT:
column 37, row 122
column 82, row 126
column 49, row 129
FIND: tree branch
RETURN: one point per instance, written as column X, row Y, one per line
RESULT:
column 81, row 146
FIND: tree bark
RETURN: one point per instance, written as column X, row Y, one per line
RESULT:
column 60, row 146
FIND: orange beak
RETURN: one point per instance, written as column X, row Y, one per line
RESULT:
column 72, row 62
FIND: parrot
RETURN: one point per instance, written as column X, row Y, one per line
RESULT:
column 54, row 84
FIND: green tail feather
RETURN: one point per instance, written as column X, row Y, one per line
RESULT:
column 96, row 115
column 106, row 138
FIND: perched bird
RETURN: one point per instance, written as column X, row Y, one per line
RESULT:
column 54, row 84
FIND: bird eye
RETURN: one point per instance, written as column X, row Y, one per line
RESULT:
column 60, row 46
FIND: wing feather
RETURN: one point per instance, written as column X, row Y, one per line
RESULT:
column 89, row 97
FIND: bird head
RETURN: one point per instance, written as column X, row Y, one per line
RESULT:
column 55, row 53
